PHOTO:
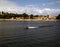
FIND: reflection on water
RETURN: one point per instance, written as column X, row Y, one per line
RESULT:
column 13, row 34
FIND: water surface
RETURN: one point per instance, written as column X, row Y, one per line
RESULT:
column 14, row 34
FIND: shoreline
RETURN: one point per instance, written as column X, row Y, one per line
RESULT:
column 26, row 20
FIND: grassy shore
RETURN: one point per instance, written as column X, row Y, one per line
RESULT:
column 27, row 20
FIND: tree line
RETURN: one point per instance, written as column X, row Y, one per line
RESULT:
column 58, row 17
column 6, row 15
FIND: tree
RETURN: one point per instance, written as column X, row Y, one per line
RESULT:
column 31, row 16
column 25, row 15
column 58, row 17
column 36, row 15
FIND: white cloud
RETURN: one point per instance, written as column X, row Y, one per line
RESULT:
column 51, row 3
column 57, row 1
column 9, row 6
column 50, row 11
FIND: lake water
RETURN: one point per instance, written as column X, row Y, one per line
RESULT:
column 14, row 34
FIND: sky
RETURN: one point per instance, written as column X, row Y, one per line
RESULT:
column 36, row 7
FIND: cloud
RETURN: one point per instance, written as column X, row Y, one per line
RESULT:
column 57, row 2
column 51, row 11
column 6, row 5
column 9, row 6
column 51, row 3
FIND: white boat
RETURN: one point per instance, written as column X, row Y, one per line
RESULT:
column 32, row 27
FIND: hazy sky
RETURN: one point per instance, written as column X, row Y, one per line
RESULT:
column 31, row 6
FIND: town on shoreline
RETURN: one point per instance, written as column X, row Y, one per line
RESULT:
column 25, row 17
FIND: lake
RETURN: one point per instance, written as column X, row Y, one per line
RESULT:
column 14, row 34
